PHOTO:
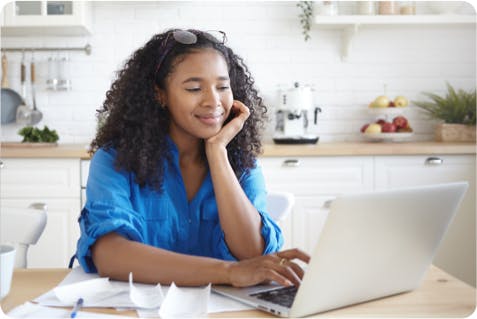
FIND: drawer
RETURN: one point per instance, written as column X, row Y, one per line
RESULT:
column 40, row 178
column 318, row 175
column 401, row 171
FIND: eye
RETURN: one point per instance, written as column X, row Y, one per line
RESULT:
column 197, row 89
column 223, row 87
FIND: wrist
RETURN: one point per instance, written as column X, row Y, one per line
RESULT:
column 225, row 272
column 213, row 150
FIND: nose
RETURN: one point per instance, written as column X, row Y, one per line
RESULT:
column 211, row 98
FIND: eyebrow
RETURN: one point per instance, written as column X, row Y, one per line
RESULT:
column 197, row 79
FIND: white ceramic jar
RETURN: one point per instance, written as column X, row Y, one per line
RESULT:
column 366, row 7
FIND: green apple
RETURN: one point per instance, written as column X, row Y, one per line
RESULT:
column 373, row 129
column 401, row 101
column 381, row 101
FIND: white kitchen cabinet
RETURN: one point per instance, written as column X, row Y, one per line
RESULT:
column 456, row 254
column 29, row 18
column 55, row 182
column 313, row 181
column 310, row 217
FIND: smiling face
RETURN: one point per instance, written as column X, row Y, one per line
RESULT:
column 198, row 95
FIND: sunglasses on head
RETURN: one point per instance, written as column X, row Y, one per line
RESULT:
column 188, row 37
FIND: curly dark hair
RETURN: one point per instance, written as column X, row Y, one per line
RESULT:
column 133, row 122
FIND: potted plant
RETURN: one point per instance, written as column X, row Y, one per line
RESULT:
column 457, row 112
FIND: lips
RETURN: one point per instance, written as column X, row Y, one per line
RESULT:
column 210, row 118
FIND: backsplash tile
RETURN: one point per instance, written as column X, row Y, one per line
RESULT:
column 268, row 36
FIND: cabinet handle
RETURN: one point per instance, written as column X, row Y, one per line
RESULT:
column 434, row 161
column 41, row 206
column 1, row 164
column 291, row 163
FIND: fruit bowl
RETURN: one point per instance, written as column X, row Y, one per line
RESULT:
column 391, row 137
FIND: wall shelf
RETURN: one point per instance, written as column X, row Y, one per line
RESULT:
column 351, row 24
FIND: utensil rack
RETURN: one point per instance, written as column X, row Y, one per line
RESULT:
column 87, row 49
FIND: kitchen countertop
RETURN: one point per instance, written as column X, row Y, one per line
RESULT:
column 368, row 148
column 271, row 150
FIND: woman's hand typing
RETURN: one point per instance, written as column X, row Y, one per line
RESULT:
column 278, row 267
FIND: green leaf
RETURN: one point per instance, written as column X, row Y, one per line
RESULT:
column 456, row 107
column 34, row 135
column 305, row 17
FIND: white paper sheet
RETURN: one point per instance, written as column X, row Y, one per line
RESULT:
column 91, row 290
column 149, row 297
column 122, row 299
column 185, row 302
column 219, row 303
column 34, row 311
column 98, row 292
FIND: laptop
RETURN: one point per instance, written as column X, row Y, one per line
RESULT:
column 372, row 245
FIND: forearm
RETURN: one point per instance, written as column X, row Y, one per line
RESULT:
column 239, row 219
column 115, row 257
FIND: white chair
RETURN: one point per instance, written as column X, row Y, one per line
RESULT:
column 22, row 227
column 280, row 205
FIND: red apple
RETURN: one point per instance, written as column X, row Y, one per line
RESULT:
column 406, row 129
column 391, row 104
column 364, row 127
column 380, row 122
column 388, row 127
column 400, row 121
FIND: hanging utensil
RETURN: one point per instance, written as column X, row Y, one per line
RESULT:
column 4, row 71
column 23, row 115
column 36, row 115
column 10, row 99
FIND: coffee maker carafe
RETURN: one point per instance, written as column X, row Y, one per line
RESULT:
column 292, row 116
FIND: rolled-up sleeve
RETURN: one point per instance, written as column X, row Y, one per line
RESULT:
column 108, row 207
column 253, row 184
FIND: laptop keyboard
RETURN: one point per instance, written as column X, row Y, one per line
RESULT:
column 282, row 296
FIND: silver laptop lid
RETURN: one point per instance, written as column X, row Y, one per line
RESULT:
column 376, row 244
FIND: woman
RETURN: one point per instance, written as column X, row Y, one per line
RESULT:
column 174, row 193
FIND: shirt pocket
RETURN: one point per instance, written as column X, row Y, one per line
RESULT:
column 209, row 210
column 159, row 230
column 157, row 209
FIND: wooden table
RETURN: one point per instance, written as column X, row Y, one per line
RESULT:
column 440, row 295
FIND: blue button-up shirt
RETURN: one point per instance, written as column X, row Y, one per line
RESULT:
column 116, row 203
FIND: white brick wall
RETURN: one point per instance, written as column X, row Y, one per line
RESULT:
column 268, row 36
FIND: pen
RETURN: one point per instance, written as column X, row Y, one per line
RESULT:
column 76, row 308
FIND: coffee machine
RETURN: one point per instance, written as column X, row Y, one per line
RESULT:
column 292, row 116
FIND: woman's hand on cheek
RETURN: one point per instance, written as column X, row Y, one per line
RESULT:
column 240, row 114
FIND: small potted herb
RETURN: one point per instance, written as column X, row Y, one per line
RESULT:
column 35, row 135
column 456, row 111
